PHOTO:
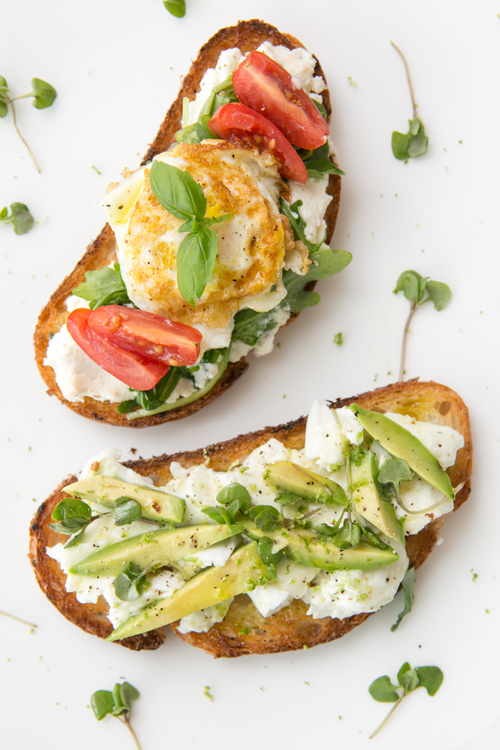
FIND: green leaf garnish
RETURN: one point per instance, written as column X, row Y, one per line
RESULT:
column 413, row 143
column 394, row 471
column 265, row 546
column 348, row 536
column 72, row 515
column 266, row 517
column 43, row 96
column 235, row 493
column 409, row 680
column 103, row 287
column 408, row 586
column 130, row 583
column 117, row 703
column 221, row 94
column 418, row 290
column 176, row 7
column 126, row 511
column 19, row 217
column 195, row 263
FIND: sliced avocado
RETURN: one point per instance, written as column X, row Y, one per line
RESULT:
column 368, row 501
column 400, row 443
column 243, row 572
column 156, row 505
column 289, row 478
column 164, row 546
column 308, row 548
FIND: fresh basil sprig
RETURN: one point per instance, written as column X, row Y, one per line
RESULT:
column 19, row 217
column 182, row 196
column 419, row 290
column 413, row 143
column 118, row 703
column 176, row 7
column 408, row 586
column 103, row 287
column 43, row 96
column 409, row 680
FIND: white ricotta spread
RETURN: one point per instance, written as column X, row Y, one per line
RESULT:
column 338, row 595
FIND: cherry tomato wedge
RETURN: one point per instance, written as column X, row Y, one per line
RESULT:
column 264, row 86
column 136, row 372
column 239, row 123
column 147, row 335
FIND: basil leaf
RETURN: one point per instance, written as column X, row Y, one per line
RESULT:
column 44, row 94
column 430, row 678
column 177, row 191
column 103, row 287
column 102, row 703
column 195, row 263
column 176, row 7
column 126, row 511
column 383, row 690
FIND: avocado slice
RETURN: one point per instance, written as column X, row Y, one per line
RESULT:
column 400, row 443
column 289, row 478
column 368, row 501
column 164, row 546
column 307, row 548
column 243, row 572
column 156, row 505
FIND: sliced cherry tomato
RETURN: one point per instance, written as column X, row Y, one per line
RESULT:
column 269, row 89
column 148, row 335
column 136, row 372
column 239, row 123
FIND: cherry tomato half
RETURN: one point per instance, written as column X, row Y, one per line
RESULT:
column 269, row 89
column 136, row 372
column 147, row 335
column 239, row 123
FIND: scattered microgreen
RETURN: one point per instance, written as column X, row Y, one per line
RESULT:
column 408, row 586
column 413, row 143
column 19, row 217
column 176, row 7
column 338, row 339
column 18, row 619
column 118, row 703
column 419, row 290
column 409, row 679
column 103, row 287
column 182, row 196
column 43, row 96
column 131, row 582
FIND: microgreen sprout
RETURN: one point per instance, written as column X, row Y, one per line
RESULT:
column 18, row 619
column 19, row 217
column 176, row 7
column 414, row 143
column 118, row 703
column 408, row 586
column 419, row 290
column 409, row 680
column 338, row 339
column 43, row 96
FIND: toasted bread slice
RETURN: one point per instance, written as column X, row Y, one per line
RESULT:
column 247, row 35
column 290, row 628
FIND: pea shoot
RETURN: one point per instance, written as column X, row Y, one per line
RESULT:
column 19, row 216
column 409, row 680
column 118, row 703
column 43, row 96
column 419, row 290
column 414, row 143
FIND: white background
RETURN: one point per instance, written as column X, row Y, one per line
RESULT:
column 117, row 66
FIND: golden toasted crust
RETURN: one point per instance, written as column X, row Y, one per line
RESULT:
column 290, row 628
column 247, row 35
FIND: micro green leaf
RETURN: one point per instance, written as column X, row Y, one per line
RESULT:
column 103, row 287
column 118, row 703
column 219, row 515
column 19, row 217
column 383, row 690
column 126, row 511
column 408, row 678
column 266, row 517
column 102, row 703
column 419, row 290
column 176, row 7
column 394, row 471
column 430, row 678
column 414, row 143
column 348, row 536
column 73, row 515
column 374, row 539
column 130, row 583
column 44, row 94
column 265, row 547
column 235, row 493
column 408, row 586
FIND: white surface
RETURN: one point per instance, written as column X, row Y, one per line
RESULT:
column 116, row 66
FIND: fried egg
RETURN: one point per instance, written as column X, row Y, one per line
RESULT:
column 251, row 246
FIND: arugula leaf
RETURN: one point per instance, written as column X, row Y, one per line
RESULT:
column 249, row 325
column 221, row 94
column 103, row 287
column 195, row 263
column 298, row 224
column 414, row 143
column 19, row 217
column 176, row 7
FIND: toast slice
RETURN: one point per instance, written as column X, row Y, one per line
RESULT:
column 247, row 35
column 290, row 628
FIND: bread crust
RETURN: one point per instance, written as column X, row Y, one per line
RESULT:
column 247, row 35
column 290, row 628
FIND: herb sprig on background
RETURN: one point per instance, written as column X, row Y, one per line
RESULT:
column 43, row 96
column 118, row 703
column 19, row 217
column 413, row 143
column 419, row 290
column 409, row 680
